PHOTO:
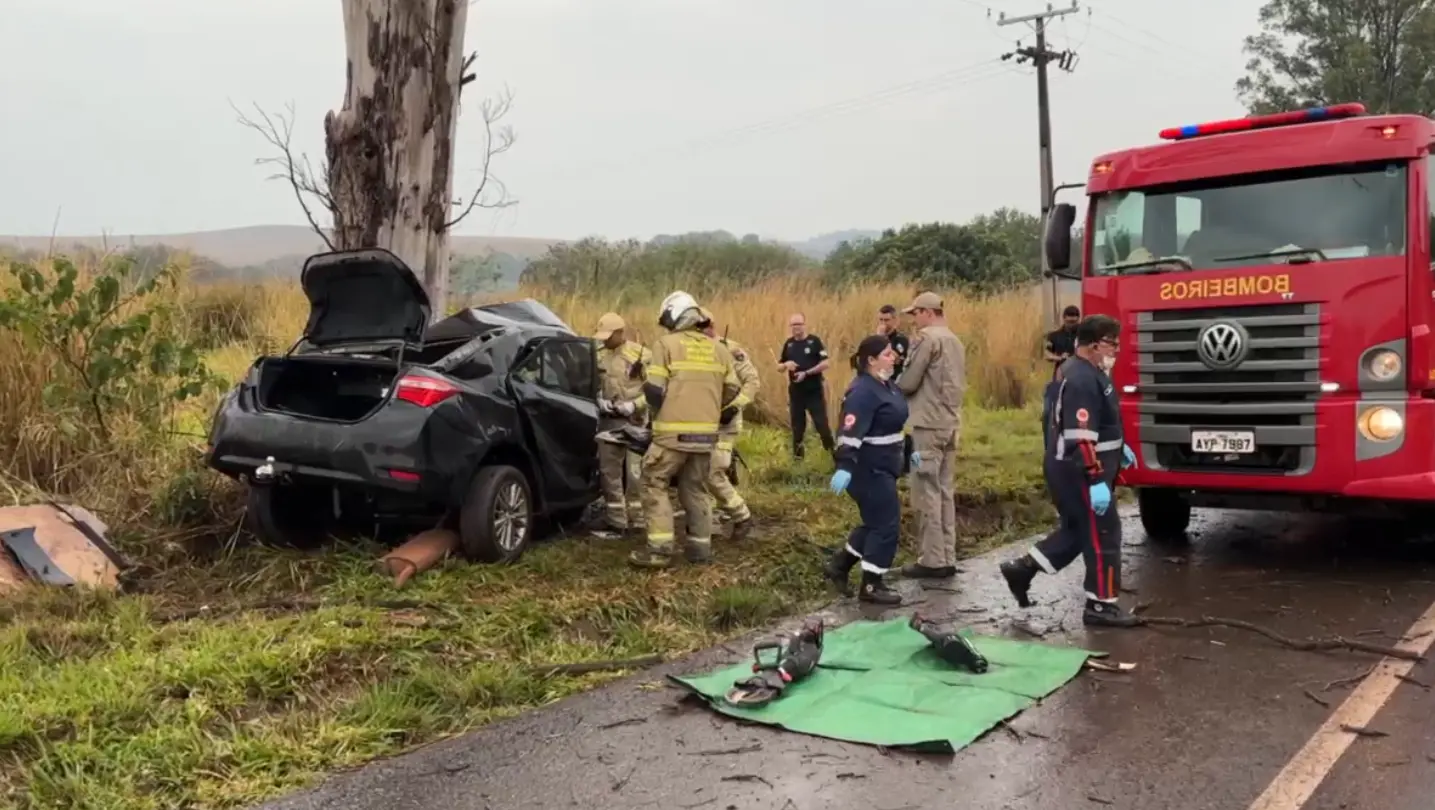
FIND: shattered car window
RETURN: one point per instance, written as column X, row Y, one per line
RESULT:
column 568, row 367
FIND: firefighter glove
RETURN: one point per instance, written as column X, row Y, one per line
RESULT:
column 728, row 414
column 1100, row 497
column 625, row 408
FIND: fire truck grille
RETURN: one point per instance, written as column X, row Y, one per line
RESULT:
column 1250, row 369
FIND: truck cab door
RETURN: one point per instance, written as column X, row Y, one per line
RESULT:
column 555, row 386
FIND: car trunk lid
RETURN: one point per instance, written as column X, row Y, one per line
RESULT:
column 363, row 296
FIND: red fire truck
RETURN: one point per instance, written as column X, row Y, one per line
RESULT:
column 1273, row 278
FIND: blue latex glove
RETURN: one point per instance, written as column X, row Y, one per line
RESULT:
column 916, row 460
column 842, row 478
column 1128, row 456
column 1100, row 497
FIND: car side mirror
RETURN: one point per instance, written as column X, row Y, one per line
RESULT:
column 1056, row 241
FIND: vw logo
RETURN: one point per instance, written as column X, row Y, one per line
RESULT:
column 1222, row 345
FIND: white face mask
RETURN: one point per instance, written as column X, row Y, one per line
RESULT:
column 884, row 375
column 1107, row 363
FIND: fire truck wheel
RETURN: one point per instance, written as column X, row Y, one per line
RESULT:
column 1165, row 515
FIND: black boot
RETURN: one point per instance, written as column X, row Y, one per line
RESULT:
column 874, row 590
column 839, row 568
column 1108, row 614
column 1018, row 574
column 919, row 571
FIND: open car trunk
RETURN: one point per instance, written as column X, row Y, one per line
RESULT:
column 338, row 388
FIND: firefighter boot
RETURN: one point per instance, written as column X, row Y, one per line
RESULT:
column 1108, row 614
column 874, row 590
column 740, row 530
column 652, row 557
column 838, row 569
column 1018, row 574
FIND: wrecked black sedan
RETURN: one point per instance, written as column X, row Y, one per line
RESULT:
column 377, row 419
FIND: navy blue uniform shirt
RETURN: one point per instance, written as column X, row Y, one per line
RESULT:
column 1086, row 422
column 870, row 433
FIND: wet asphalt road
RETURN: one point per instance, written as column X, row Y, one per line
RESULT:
column 1208, row 719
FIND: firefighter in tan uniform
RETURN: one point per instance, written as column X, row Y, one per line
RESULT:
column 621, row 402
column 690, row 387
column 935, row 381
column 720, row 483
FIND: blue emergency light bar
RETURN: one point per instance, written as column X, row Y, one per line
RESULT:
column 1332, row 112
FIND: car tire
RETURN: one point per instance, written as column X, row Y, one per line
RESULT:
column 288, row 517
column 1165, row 515
column 496, row 519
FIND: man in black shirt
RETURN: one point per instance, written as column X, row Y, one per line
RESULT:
column 887, row 325
column 804, row 358
column 1061, row 343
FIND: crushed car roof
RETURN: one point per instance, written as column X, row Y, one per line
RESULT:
column 524, row 314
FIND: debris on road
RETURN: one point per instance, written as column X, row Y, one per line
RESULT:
column 56, row 544
column 1102, row 666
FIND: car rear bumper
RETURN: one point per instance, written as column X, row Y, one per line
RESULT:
column 400, row 449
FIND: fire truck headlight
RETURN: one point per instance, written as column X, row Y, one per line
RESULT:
column 1381, row 423
column 1384, row 365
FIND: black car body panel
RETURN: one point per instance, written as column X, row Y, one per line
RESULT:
column 513, row 384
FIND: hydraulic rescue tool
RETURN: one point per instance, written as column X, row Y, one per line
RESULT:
column 950, row 646
column 793, row 659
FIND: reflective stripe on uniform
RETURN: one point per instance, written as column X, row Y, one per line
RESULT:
column 657, row 373
column 725, row 444
column 739, row 401
column 685, row 427
column 697, row 365
column 891, row 438
column 1114, row 444
column 1080, row 435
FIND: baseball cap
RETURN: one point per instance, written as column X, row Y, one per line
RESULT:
column 927, row 300
column 608, row 324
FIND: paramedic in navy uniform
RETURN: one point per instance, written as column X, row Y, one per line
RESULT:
column 1084, row 452
column 870, row 459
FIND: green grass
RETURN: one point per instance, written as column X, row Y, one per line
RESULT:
column 243, row 676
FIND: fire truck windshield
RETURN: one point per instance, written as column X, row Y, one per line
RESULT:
column 1299, row 216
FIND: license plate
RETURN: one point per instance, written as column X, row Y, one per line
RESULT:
column 1223, row 441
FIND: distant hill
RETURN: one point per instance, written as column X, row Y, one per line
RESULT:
column 819, row 246
column 264, row 244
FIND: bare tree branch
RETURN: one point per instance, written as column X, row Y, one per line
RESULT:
column 497, row 139
column 278, row 130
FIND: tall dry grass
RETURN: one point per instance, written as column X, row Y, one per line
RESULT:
column 1002, row 333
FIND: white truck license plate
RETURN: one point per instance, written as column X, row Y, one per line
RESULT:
column 1223, row 441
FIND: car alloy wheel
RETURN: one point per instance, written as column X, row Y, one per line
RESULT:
column 510, row 517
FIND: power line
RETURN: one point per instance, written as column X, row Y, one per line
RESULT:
column 1040, row 56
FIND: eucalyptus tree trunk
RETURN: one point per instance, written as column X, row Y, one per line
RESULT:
column 390, row 147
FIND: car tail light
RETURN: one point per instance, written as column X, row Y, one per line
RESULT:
column 424, row 392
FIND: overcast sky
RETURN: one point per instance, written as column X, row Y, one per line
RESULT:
column 633, row 117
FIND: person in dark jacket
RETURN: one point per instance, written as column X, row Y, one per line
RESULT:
column 887, row 325
column 1061, row 344
column 1085, row 451
column 871, row 452
column 803, row 359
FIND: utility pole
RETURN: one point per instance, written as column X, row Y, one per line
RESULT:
column 1039, row 56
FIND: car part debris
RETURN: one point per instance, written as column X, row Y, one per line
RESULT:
column 793, row 659
column 418, row 554
column 56, row 544
column 952, row 647
column 1102, row 666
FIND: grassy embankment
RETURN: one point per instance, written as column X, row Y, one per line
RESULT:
column 229, row 673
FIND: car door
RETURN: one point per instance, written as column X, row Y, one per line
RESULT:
column 556, row 388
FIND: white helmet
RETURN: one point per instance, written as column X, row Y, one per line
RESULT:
column 674, row 307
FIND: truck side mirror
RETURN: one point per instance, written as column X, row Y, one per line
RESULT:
column 1056, row 241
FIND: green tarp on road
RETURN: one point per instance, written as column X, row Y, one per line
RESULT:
column 880, row 683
